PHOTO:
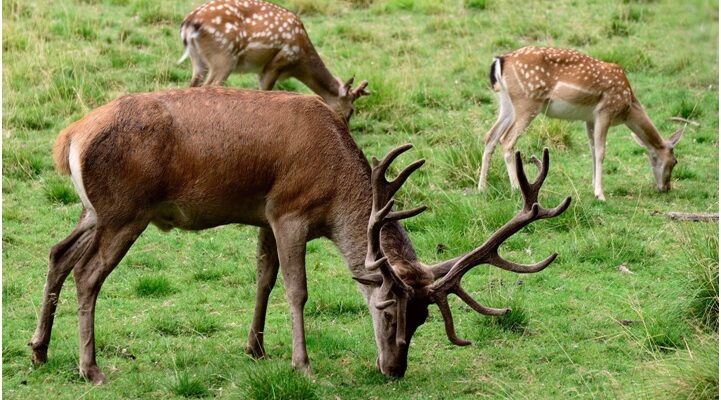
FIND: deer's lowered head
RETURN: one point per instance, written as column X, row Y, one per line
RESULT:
column 663, row 160
column 346, row 95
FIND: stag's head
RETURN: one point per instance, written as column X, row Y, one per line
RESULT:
column 400, row 292
column 663, row 160
column 343, row 103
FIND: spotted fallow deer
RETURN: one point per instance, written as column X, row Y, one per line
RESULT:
column 252, row 36
column 566, row 84
column 203, row 157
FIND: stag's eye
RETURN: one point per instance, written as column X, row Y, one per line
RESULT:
column 388, row 317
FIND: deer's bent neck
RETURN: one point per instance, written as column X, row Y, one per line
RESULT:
column 316, row 76
column 645, row 130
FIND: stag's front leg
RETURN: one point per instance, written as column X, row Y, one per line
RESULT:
column 291, row 238
column 267, row 272
column 105, row 252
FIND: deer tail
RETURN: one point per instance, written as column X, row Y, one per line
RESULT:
column 496, row 73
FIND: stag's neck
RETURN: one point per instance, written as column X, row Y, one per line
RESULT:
column 316, row 76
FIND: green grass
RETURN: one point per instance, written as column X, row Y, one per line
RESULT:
column 190, row 387
column 264, row 383
column 153, row 286
column 173, row 317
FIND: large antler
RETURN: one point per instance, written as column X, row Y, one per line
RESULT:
column 449, row 274
column 381, row 213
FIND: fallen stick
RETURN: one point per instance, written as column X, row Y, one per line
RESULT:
column 679, row 216
column 685, row 121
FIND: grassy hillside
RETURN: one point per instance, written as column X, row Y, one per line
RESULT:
column 173, row 317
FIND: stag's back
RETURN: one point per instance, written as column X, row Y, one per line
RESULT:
column 201, row 157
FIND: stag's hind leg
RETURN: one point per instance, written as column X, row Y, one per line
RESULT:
column 107, row 249
column 63, row 257
column 267, row 272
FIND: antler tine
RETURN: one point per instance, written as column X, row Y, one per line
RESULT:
column 479, row 308
column 379, row 168
column 502, row 263
column 441, row 299
column 396, row 184
column 442, row 303
column 399, row 215
column 526, row 189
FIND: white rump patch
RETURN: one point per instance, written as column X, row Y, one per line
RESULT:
column 77, row 177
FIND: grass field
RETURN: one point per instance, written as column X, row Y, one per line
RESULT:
column 172, row 319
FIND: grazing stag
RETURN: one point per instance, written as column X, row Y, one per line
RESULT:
column 223, row 36
column 566, row 84
column 203, row 157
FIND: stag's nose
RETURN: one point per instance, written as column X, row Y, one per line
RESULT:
column 391, row 371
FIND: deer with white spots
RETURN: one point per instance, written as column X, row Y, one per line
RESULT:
column 566, row 84
column 252, row 36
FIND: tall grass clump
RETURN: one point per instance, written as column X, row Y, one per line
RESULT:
column 703, row 263
column 663, row 328
column 60, row 191
column 278, row 383
column 689, row 375
column 187, row 386
column 153, row 286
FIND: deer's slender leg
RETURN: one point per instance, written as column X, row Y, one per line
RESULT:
column 107, row 249
column 504, row 121
column 589, row 133
column 508, row 141
column 600, row 130
column 200, row 68
column 63, row 257
column 220, row 66
column 291, row 236
column 268, row 78
column 267, row 272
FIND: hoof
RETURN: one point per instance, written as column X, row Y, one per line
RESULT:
column 305, row 369
column 255, row 351
column 40, row 354
column 93, row 375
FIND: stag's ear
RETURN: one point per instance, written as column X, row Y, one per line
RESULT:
column 373, row 280
column 675, row 138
